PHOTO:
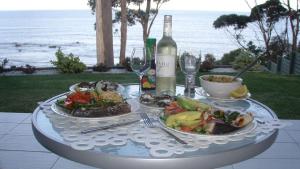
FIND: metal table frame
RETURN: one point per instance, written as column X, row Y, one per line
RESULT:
column 108, row 161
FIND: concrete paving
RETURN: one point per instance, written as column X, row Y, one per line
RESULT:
column 20, row 150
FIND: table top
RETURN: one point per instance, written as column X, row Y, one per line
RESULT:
column 134, row 154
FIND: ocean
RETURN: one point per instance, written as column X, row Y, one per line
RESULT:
column 33, row 37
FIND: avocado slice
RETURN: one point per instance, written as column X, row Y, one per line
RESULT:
column 187, row 118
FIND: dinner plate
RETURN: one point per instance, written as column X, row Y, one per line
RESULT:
column 202, row 92
column 240, row 132
column 63, row 112
column 73, row 88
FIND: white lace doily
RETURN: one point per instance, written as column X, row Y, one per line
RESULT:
column 158, row 142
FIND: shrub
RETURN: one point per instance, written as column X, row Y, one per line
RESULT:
column 242, row 60
column 228, row 58
column 208, row 62
column 100, row 68
column 127, row 64
column 69, row 63
column 28, row 69
column 2, row 64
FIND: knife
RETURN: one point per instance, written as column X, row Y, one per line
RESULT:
column 108, row 127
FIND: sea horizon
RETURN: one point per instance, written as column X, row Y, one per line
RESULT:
column 33, row 36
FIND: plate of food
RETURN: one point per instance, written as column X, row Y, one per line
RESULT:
column 192, row 117
column 223, row 87
column 93, row 104
column 152, row 101
column 99, row 85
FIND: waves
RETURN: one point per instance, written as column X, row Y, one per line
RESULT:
column 34, row 39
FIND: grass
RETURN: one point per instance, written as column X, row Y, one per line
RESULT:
column 21, row 93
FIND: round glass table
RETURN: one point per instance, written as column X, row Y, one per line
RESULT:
column 134, row 154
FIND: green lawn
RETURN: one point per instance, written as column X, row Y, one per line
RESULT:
column 21, row 93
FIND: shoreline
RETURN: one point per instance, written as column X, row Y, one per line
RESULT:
column 113, row 70
column 54, row 71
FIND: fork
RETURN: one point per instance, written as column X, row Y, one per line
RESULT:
column 149, row 124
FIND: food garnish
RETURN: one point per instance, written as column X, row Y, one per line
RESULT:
column 240, row 92
column 189, row 115
column 98, row 85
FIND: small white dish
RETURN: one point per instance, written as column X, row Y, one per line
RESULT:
column 202, row 92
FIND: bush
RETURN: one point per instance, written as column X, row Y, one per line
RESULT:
column 100, row 68
column 68, row 64
column 228, row 58
column 127, row 64
column 208, row 63
column 2, row 64
column 28, row 69
column 242, row 60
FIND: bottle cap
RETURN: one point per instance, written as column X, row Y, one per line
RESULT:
column 168, row 18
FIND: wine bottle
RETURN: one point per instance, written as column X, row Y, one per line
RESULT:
column 148, row 81
column 166, row 61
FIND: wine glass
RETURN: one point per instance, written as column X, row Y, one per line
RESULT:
column 189, row 62
column 139, row 64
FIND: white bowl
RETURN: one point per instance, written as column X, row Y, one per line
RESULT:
column 219, row 89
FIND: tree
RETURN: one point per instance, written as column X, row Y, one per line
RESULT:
column 264, row 16
column 123, row 31
column 103, row 26
column 144, row 14
column 293, row 16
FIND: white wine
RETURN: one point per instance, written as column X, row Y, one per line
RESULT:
column 166, row 61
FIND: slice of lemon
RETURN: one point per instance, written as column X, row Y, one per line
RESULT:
column 240, row 92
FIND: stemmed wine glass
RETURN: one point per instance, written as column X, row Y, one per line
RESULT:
column 189, row 62
column 139, row 64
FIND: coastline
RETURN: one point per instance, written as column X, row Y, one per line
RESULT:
column 54, row 71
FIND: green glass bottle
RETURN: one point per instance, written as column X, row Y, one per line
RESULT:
column 148, row 81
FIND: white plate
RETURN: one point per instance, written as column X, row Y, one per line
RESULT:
column 63, row 112
column 72, row 88
column 202, row 92
column 240, row 132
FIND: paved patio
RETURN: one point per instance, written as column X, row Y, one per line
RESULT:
column 20, row 150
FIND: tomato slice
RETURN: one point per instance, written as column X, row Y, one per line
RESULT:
column 78, row 97
column 186, row 128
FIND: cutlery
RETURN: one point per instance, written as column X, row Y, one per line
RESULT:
column 107, row 127
column 149, row 124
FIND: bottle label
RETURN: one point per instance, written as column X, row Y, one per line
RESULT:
column 165, row 66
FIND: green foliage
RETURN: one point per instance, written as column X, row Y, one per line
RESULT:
column 69, row 63
column 244, row 59
column 237, row 21
column 228, row 58
column 127, row 64
column 271, row 10
column 3, row 62
column 208, row 63
column 278, row 48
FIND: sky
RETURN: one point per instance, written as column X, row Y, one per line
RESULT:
column 206, row 5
